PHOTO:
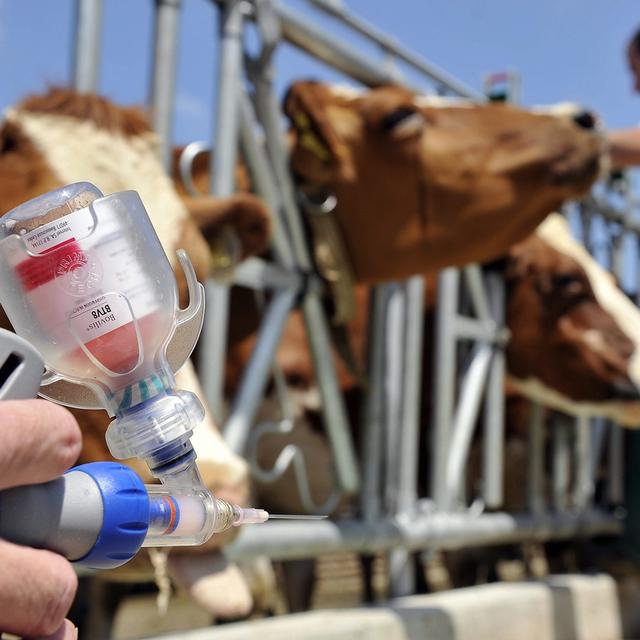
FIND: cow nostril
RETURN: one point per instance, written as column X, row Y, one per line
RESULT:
column 625, row 389
column 585, row 120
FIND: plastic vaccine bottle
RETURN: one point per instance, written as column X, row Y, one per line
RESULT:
column 84, row 278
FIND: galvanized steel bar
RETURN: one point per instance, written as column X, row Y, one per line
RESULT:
column 88, row 40
column 395, row 48
column 444, row 368
column 562, row 427
column 372, row 445
column 536, row 467
column 256, row 373
column 493, row 443
column 263, row 180
column 393, row 393
column 401, row 566
column 290, row 540
column 471, row 391
column 165, row 53
column 615, row 485
column 583, row 484
column 225, row 142
column 473, row 279
column 334, row 411
column 412, row 377
column 301, row 32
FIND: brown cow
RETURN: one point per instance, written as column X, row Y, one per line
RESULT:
column 422, row 186
column 63, row 137
column 551, row 310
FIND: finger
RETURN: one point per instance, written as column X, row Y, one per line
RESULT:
column 39, row 440
column 67, row 631
column 36, row 590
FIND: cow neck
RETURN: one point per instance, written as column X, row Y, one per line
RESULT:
column 330, row 253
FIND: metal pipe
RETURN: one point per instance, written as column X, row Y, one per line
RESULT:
column 86, row 54
column 583, row 487
column 163, row 76
column 408, row 448
column 225, row 142
column 476, row 289
column 471, row 390
column 301, row 32
column 395, row 48
column 288, row 541
column 373, row 415
column 263, row 180
column 561, row 461
column 402, row 578
column 493, row 443
column 535, row 469
column 444, row 367
column 615, row 486
column 256, row 373
column 393, row 391
column 334, row 412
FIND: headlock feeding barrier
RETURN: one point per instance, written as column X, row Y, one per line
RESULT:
column 392, row 515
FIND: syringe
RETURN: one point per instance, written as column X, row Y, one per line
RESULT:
column 100, row 514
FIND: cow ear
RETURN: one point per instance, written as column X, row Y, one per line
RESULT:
column 305, row 105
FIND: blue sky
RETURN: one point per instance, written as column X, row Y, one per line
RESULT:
column 564, row 49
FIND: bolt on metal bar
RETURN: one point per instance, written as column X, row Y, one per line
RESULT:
column 393, row 47
column 163, row 76
column 88, row 40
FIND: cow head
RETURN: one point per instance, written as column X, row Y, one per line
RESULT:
column 421, row 186
column 570, row 348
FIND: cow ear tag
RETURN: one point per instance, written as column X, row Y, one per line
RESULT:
column 180, row 347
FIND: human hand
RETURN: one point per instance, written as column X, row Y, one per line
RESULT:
column 39, row 440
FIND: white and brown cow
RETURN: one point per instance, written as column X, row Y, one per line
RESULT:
column 62, row 137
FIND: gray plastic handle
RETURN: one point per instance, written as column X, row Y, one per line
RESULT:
column 21, row 368
column 64, row 515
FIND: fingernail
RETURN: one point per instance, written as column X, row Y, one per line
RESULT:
column 67, row 631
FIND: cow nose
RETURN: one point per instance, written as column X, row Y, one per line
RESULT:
column 585, row 120
column 625, row 389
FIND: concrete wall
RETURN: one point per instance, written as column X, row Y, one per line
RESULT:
column 572, row 607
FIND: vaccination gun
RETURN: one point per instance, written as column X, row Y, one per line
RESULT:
column 85, row 281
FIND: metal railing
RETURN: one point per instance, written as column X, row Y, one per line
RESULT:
column 393, row 516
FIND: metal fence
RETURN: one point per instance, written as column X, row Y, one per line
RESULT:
column 382, row 477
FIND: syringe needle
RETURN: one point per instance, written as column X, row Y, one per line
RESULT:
column 283, row 516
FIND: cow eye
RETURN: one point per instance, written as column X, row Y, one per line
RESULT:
column 393, row 119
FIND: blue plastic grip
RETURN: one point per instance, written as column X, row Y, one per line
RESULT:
column 125, row 515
